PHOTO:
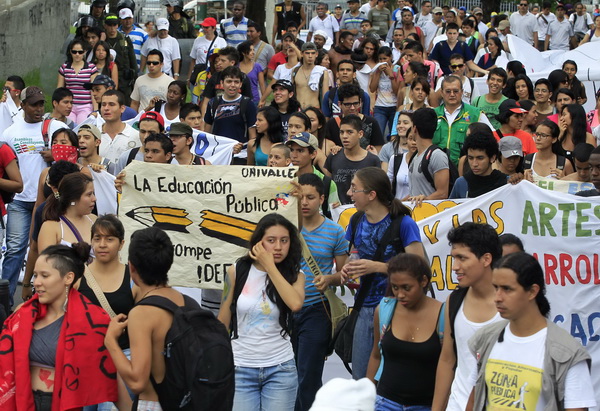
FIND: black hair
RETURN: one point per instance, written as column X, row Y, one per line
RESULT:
column 70, row 189
column 479, row 127
column 346, row 61
column 109, row 57
column 500, row 46
column 353, row 121
column 304, row 118
column 481, row 141
column 255, row 26
column 72, row 44
column 274, row 130
column 71, row 135
column 511, row 239
column 384, row 51
column 556, row 77
column 490, row 31
column 546, row 83
column 311, row 179
column 420, row 69
column 182, row 89
column 59, row 169
column 554, row 130
column 411, row 264
column 321, row 54
column 156, row 52
column 67, row 259
column 456, row 56
column 451, row 26
column 516, row 67
column 95, row 30
column 293, row 104
column 232, row 72
column 468, row 22
column 188, row 108
column 479, row 238
column 17, row 81
column 373, row 42
column 578, row 123
column 112, row 92
column 321, row 119
column 423, row 82
column 61, row 93
column 500, row 72
column 566, row 91
column 290, row 25
column 244, row 47
column 151, row 253
column 396, row 141
column 527, row 104
column 414, row 46
column 528, row 83
column 546, row 5
column 425, row 121
column 582, row 152
column 529, row 272
column 231, row 53
column 349, row 90
column 289, row 267
column 165, row 142
column 375, row 179
column 345, row 34
column 109, row 224
column 571, row 62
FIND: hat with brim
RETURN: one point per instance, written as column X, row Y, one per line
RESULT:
column 507, row 107
column 510, row 146
column 111, row 20
column 162, row 24
column 504, row 24
column 180, row 129
column 437, row 10
column 99, row 80
column 286, row 84
column 304, row 139
column 32, row 95
column 92, row 129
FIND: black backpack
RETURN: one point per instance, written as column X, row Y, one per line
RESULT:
column 199, row 370
column 528, row 161
column 425, row 167
column 454, row 302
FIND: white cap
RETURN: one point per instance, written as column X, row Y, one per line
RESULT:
column 125, row 14
column 321, row 33
column 162, row 24
column 340, row 394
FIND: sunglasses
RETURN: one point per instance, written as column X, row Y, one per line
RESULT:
column 77, row 51
column 153, row 63
column 456, row 66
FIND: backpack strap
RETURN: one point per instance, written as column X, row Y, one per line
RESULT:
column 528, row 161
column 164, row 303
column 243, row 106
column 215, row 105
column 132, row 153
column 455, row 300
column 242, row 269
column 560, row 162
column 45, row 131
column 425, row 163
column 354, row 224
column 397, row 162
column 332, row 93
column 472, row 83
column 325, row 207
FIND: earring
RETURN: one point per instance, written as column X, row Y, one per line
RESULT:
column 72, row 203
column 57, row 195
column 66, row 298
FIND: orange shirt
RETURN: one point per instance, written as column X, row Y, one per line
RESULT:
column 526, row 139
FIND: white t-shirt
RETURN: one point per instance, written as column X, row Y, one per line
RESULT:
column 329, row 25
column 113, row 148
column 365, row 8
column 169, row 48
column 543, row 22
column 582, row 23
column 27, row 141
column 465, row 362
column 284, row 73
column 260, row 343
column 201, row 45
column 146, row 88
column 168, row 122
column 523, row 26
column 402, row 179
column 560, row 33
column 513, row 375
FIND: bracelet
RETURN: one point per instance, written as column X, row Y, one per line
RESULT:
column 176, row 74
column 26, row 284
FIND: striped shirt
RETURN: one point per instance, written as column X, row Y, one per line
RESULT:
column 75, row 81
column 235, row 34
column 350, row 22
column 137, row 36
column 325, row 243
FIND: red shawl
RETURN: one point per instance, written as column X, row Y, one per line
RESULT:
column 84, row 372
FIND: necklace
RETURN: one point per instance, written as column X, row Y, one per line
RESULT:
column 304, row 73
column 158, row 288
column 412, row 335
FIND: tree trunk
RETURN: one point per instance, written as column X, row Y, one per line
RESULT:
column 489, row 6
column 256, row 11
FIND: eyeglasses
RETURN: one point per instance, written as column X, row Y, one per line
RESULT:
column 452, row 91
column 77, row 51
column 456, row 66
column 352, row 104
column 354, row 190
column 542, row 135
column 8, row 89
column 237, row 9
column 153, row 63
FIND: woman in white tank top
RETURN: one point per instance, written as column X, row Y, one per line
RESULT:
column 261, row 291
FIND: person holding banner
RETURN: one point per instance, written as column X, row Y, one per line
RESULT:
column 382, row 228
column 259, row 318
column 556, row 377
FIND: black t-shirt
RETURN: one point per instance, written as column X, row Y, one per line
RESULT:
column 342, row 171
column 213, row 87
column 372, row 132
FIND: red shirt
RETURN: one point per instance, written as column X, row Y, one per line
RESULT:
column 526, row 139
column 6, row 156
column 276, row 60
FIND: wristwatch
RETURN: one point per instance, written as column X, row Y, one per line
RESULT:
column 176, row 74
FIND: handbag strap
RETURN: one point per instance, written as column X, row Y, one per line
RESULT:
column 72, row 228
column 91, row 280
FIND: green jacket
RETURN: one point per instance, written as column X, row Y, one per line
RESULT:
column 452, row 137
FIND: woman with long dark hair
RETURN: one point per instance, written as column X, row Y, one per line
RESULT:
column 546, row 162
column 496, row 49
column 573, row 126
column 254, row 71
column 404, row 147
column 530, row 118
column 371, row 192
column 259, row 319
column 523, row 88
column 406, row 334
column 104, row 62
column 570, row 67
column 268, row 132
column 370, row 47
column 169, row 109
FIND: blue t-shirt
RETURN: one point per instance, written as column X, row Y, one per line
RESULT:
column 325, row 243
column 441, row 53
column 336, row 111
column 228, row 120
column 367, row 237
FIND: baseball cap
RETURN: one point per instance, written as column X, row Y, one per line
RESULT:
column 462, row 8
column 437, row 10
column 32, row 95
column 286, row 84
column 510, row 146
column 111, row 19
column 290, row 35
column 304, row 139
column 125, row 14
column 504, row 24
column 99, row 3
column 353, row 1
column 477, row 10
column 92, row 129
column 209, row 22
column 180, row 129
column 321, row 33
column 511, row 105
column 338, row 6
column 100, row 80
column 345, row 394
column 153, row 115
column 162, row 24
column 406, row 8
column 309, row 45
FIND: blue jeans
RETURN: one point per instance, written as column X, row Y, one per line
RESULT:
column 384, row 117
column 362, row 343
column 17, row 239
column 383, row 404
column 265, row 388
column 310, row 338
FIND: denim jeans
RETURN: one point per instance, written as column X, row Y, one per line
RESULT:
column 362, row 343
column 310, row 338
column 383, row 404
column 265, row 388
column 17, row 239
column 384, row 117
